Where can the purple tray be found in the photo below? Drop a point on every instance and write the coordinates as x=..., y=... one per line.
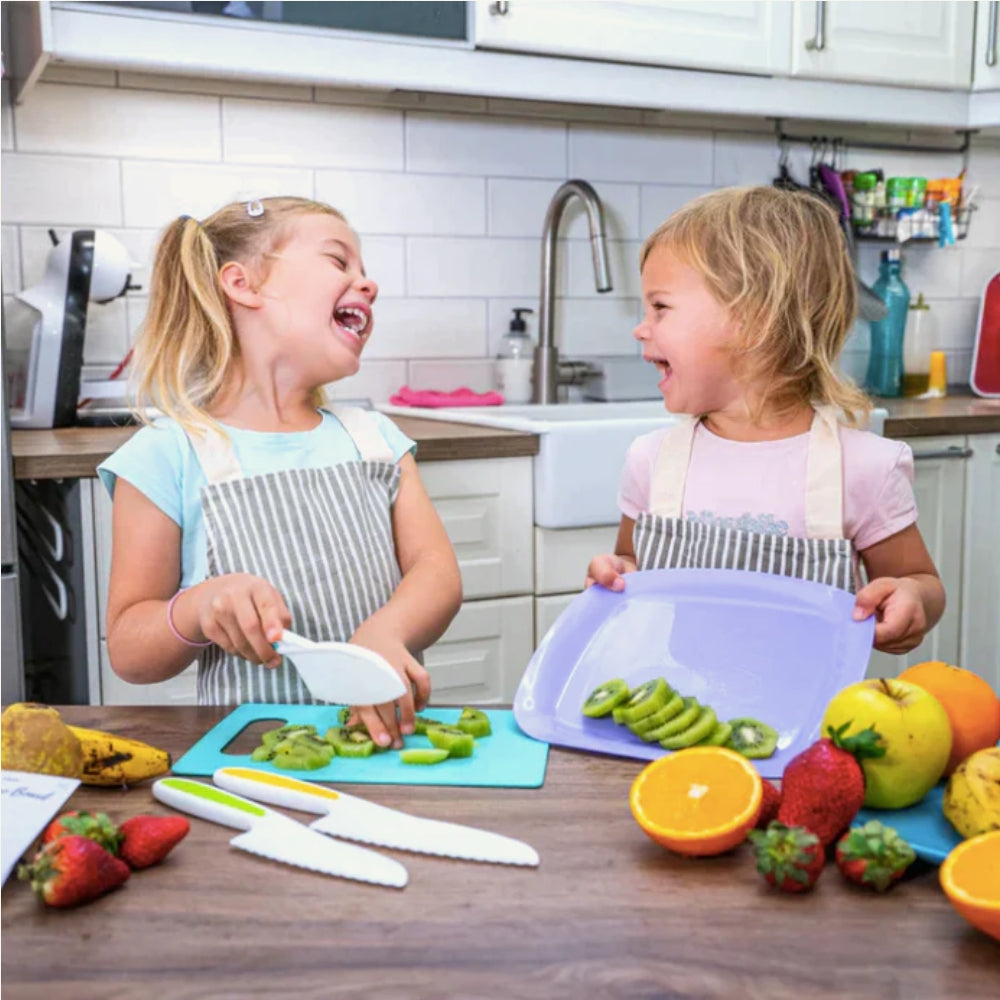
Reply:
x=746, y=643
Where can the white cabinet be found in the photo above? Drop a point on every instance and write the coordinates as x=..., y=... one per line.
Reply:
x=749, y=37
x=563, y=554
x=980, y=636
x=485, y=505
x=481, y=658
x=941, y=465
x=927, y=44
x=986, y=57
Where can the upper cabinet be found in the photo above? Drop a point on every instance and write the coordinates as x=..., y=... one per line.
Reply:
x=926, y=44
x=752, y=37
x=986, y=58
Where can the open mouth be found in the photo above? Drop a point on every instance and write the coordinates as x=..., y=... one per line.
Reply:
x=661, y=364
x=355, y=320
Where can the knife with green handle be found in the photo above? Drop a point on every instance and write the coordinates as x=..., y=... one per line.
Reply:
x=276, y=836
x=357, y=819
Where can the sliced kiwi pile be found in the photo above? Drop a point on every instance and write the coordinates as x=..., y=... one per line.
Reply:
x=299, y=747
x=656, y=713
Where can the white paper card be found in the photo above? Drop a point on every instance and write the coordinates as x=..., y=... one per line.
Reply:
x=27, y=803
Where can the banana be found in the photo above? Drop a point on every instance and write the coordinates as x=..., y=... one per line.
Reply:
x=109, y=759
x=972, y=796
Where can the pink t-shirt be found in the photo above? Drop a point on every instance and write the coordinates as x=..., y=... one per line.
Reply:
x=760, y=485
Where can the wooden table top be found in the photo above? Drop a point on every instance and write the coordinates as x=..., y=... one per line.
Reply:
x=607, y=914
x=75, y=452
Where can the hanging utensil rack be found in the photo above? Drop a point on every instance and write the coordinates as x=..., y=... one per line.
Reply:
x=892, y=224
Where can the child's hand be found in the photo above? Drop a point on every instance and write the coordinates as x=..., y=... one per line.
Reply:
x=241, y=613
x=608, y=570
x=383, y=725
x=900, y=616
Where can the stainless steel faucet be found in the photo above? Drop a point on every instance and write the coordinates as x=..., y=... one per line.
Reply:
x=549, y=372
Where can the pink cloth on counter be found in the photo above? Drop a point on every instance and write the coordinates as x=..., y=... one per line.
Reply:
x=431, y=399
x=760, y=485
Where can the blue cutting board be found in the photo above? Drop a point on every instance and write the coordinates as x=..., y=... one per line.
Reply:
x=922, y=826
x=506, y=759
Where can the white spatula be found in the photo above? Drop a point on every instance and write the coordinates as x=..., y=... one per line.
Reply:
x=341, y=672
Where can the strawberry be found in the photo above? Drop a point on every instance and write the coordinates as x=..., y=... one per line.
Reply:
x=873, y=855
x=73, y=869
x=823, y=787
x=97, y=826
x=789, y=858
x=147, y=840
x=768, y=805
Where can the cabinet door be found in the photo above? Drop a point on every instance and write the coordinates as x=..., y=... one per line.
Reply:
x=547, y=610
x=940, y=467
x=563, y=554
x=481, y=658
x=980, y=646
x=920, y=44
x=485, y=505
x=986, y=58
x=749, y=37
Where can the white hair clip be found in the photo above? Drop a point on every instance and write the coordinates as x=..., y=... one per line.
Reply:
x=255, y=208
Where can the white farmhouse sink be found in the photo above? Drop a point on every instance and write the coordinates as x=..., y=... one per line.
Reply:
x=581, y=452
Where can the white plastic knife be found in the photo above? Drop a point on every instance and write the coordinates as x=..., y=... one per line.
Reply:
x=276, y=836
x=342, y=672
x=357, y=819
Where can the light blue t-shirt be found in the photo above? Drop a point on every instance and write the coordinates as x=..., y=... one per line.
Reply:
x=159, y=462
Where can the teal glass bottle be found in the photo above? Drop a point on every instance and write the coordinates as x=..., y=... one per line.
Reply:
x=885, y=362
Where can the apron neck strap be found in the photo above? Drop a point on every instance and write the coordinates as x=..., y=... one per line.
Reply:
x=215, y=454
x=824, y=500
x=361, y=425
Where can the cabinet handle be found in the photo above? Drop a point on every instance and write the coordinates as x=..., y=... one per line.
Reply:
x=951, y=452
x=991, y=33
x=501, y=8
x=818, y=42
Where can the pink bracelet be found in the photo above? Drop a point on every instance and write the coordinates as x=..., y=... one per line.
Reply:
x=173, y=627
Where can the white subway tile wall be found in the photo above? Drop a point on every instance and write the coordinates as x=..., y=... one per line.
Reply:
x=448, y=194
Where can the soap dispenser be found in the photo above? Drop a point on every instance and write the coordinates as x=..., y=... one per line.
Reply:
x=514, y=361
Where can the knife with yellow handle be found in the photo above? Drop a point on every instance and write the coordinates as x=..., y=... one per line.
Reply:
x=357, y=819
x=276, y=836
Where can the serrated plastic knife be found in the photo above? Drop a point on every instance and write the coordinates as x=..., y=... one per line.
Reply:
x=276, y=836
x=357, y=819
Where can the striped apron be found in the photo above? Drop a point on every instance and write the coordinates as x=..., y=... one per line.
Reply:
x=322, y=537
x=663, y=539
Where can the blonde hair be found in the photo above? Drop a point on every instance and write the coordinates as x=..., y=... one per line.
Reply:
x=187, y=345
x=778, y=262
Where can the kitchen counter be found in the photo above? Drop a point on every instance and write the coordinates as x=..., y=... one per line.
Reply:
x=607, y=914
x=75, y=452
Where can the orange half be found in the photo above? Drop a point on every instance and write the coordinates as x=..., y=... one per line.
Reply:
x=970, y=876
x=699, y=801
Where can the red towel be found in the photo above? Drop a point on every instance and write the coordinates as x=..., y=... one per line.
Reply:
x=430, y=399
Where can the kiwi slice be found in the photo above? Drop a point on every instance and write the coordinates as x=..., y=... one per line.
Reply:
x=420, y=724
x=617, y=713
x=262, y=753
x=695, y=733
x=352, y=741
x=718, y=736
x=646, y=699
x=677, y=724
x=300, y=755
x=674, y=706
x=605, y=697
x=752, y=738
x=423, y=755
x=274, y=736
x=475, y=722
x=451, y=739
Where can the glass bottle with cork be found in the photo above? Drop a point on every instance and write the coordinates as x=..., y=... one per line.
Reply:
x=885, y=361
x=918, y=343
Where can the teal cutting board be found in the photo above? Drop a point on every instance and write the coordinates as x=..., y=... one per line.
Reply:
x=506, y=759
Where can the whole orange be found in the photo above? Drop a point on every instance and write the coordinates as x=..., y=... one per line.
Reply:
x=972, y=705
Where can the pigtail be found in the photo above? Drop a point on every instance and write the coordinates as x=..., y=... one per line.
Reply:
x=186, y=344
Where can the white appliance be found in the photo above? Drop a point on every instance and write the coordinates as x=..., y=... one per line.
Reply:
x=88, y=266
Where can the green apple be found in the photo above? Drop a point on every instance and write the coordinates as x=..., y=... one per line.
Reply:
x=914, y=729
